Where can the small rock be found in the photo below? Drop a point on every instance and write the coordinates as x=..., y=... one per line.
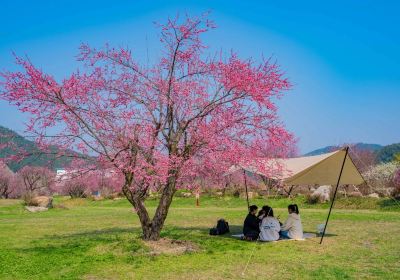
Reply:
x=373, y=195
x=251, y=195
x=186, y=194
x=42, y=201
x=323, y=192
x=35, y=209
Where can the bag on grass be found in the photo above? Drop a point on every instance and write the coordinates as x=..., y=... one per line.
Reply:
x=214, y=231
x=222, y=228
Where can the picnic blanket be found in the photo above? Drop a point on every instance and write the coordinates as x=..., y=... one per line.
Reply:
x=306, y=235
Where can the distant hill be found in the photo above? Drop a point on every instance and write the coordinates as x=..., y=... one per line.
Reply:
x=36, y=159
x=388, y=152
x=361, y=146
x=383, y=153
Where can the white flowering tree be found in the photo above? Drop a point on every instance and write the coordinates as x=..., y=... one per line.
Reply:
x=380, y=177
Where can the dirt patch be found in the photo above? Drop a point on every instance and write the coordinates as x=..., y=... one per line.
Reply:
x=170, y=247
x=8, y=202
x=61, y=206
x=72, y=202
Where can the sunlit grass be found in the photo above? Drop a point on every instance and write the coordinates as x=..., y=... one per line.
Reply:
x=100, y=240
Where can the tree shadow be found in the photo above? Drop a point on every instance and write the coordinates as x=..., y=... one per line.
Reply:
x=79, y=243
x=97, y=233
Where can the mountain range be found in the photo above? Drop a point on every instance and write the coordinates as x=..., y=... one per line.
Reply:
x=359, y=146
x=36, y=157
x=383, y=153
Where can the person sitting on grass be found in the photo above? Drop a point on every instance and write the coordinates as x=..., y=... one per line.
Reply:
x=251, y=228
x=269, y=227
x=292, y=227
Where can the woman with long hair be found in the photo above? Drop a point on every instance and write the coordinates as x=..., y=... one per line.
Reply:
x=292, y=227
x=269, y=227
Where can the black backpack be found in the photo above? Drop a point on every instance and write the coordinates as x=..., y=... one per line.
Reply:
x=222, y=228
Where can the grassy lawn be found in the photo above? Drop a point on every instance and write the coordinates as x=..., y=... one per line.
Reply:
x=100, y=240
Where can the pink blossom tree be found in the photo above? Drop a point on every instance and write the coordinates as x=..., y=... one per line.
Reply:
x=76, y=187
x=74, y=184
x=81, y=183
x=238, y=179
x=36, y=180
x=7, y=181
x=109, y=182
x=159, y=126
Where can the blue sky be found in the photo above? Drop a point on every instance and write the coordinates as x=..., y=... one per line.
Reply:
x=342, y=57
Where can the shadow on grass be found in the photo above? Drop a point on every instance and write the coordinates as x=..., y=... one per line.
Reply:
x=96, y=234
x=128, y=240
x=79, y=243
x=173, y=232
x=182, y=232
x=389, y=204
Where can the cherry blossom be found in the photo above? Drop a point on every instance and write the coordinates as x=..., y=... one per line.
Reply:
x=161, y=126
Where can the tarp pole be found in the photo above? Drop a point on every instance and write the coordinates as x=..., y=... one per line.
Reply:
x=247, y=193
x=334, y=194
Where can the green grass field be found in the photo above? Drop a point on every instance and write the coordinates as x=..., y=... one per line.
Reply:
x=100, y=240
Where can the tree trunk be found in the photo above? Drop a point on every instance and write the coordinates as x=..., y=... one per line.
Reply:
x=162, y=210
x=289, y=192
x=151, y=228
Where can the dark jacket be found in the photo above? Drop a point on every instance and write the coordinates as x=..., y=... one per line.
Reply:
x=251, y=224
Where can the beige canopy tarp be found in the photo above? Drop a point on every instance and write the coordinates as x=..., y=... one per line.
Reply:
x=336, y=168
x=320, y=170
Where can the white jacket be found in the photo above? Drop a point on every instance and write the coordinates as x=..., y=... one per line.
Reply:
x=293, y=226
x=269, y=229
